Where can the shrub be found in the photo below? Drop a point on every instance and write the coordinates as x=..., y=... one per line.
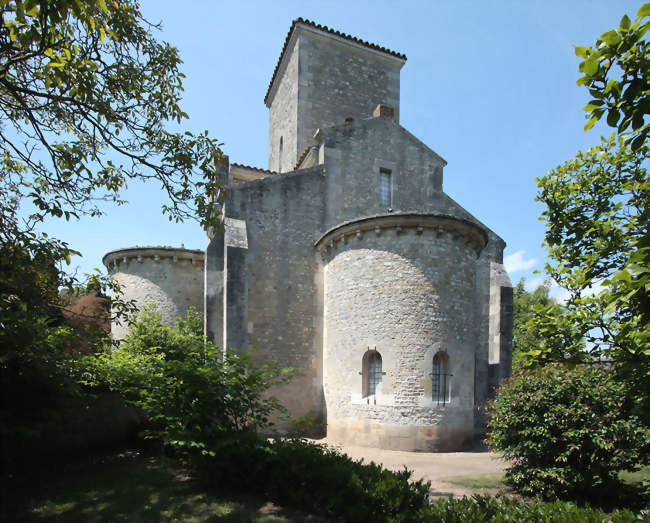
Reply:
x=317, y=478
x=500, y=508
x=322, y=480
x=566, y=432
x=195, y=395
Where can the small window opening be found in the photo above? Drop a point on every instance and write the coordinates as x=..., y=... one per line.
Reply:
x=440, y=379
x=384, y=187
x=280, y=156
x=372, y=375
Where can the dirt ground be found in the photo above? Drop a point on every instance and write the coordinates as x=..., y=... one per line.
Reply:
x=433, y=467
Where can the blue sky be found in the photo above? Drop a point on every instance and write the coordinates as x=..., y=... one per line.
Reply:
x=488, y=85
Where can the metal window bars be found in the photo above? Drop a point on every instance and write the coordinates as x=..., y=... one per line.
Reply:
x=440, y=381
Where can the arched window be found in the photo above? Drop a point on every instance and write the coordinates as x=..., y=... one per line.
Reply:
x=372, y=374
x=280, y=156
x=440, y=379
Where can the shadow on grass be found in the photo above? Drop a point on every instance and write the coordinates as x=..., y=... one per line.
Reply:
x=628, y=493
x=130, y=487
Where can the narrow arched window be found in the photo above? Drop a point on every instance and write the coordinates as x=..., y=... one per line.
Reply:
x=440, y=379
x=372, y=374
x=280, y=156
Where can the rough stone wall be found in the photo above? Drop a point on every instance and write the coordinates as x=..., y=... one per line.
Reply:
x=494, y=347
x=169, y=279
x=339, y=80
x=354, y=155
x=283, y=116
x=408, y=294
x=283, y=216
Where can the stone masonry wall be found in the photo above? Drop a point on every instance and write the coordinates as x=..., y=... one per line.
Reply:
x=283, y=114
x=408, y=294
x=284, y=215
x=338, y=80
x=169, y=279
x=354, y=155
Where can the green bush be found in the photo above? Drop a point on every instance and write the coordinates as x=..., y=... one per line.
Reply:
x=195, y=395
x=566, y=432
x=322, y=480
x=316, y=478
x=500, y=508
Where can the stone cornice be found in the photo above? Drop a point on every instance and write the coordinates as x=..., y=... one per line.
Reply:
x=399, y=223
x=113, y=258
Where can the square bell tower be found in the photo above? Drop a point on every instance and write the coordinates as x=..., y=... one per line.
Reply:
x=322, y=78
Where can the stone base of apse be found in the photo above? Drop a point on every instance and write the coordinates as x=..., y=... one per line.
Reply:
x=455, y=436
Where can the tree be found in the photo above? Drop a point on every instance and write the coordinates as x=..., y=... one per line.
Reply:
x=597, y=221
x=85, y=94
x=616, y=74
x=597, y=234
x=86, y=98
x=525, y=337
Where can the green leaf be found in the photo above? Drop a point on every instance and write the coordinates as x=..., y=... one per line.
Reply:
x=582, y=52
x=612, y=117
x=625, y=22
x=590, y=66
x=612, y=85
x=593, y=104
x=638, y=142
x=643, y=11
x=611, y=38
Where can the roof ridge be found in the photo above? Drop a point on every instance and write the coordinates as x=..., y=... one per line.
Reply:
x=325, y=29
x=253, y=168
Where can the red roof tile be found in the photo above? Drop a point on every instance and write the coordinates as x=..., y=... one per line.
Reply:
x=253, y=168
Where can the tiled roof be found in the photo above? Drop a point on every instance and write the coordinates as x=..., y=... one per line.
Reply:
x=325, y=29
x=303, y=156
x=252, y=168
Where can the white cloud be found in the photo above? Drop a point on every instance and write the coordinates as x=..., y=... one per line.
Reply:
x=533, y=283
x=515, y=262
x=561, y=295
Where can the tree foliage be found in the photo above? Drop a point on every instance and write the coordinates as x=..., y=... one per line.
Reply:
x=615, y=70
x=597, y=218
x=525, y=336
x=33, y=343
x=86, y=92
x=87, y=100
x=597, y=239
x=567, y=432
x=196, y=396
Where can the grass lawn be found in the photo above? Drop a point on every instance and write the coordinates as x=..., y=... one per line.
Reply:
x=497, y=480
x=134, y=488
x=635, y=477
x=478, y=481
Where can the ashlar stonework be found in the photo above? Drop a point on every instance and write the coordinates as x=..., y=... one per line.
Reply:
x=347, y=260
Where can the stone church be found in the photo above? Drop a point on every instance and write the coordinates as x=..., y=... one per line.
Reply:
x=346, y=259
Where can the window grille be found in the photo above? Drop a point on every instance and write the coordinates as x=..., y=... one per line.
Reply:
x=384, y=187
x=374, y=373
x=440, y=380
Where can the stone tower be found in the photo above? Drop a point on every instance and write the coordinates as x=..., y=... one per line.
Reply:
x=322, y=78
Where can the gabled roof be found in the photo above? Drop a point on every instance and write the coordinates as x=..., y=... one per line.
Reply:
x=325, y=29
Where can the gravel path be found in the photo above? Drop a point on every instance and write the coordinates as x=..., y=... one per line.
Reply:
x=434, y=467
